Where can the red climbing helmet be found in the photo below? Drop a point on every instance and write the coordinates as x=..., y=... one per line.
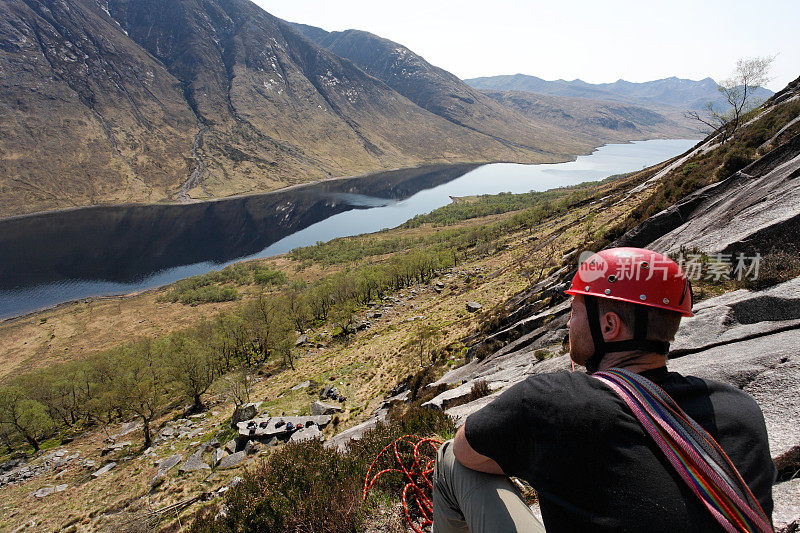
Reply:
x=634, y=275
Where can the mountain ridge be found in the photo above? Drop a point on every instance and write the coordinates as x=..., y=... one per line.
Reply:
x=671, y=91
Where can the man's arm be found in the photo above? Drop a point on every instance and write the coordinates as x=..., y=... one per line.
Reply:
x=472, y=459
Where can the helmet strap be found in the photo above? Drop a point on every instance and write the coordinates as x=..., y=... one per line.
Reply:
x=638, y=342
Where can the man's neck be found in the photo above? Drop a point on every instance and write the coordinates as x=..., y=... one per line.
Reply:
x=633, y=361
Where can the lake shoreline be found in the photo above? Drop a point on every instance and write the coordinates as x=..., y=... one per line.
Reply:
x=332, y=179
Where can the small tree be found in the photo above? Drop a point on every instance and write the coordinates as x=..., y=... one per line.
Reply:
x=296, y=308
x=270, y=330
x=237, y=385
x=192, y=366
x=424, y=337
x=343, y=316
x=28, y=417
x=140, y=384
x=738, y=93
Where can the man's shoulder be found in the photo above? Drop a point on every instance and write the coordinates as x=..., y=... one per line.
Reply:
x=566, y=390
x=715, y=389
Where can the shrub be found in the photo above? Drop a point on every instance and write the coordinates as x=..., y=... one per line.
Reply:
x=736, y=160
x=267, y=276
x=479, y=389
x=775, y=267
x=207, y=294
x=300, y=487
x=307, y=487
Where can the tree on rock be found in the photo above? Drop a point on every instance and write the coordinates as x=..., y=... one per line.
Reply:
x=739, y=94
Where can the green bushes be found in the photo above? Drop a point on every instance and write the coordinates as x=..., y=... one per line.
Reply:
x=307, y=487
x=210, y=287
x=202, y=295
x=267, y=276
x=735, y=161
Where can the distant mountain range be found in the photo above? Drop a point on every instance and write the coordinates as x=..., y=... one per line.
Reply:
x=674, y=92
x=114, y=101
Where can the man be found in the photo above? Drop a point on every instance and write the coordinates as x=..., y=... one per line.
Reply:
x=575, y=440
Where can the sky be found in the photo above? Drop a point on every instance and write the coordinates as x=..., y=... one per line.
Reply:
x=596, y=41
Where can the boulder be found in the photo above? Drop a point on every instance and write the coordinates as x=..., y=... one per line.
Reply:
x=216, y=456
x=329, y=392
x=302, y=339
x=320, y=408
x=449, y=397
x=107, y=468
x=230, y=446
x=251, y=447
x=194, y=463
x=244, y=412
x=163, y=468
x=229, y=461
x=473, y=307
x=340, y=440
x=304, y=385
x=45, y=491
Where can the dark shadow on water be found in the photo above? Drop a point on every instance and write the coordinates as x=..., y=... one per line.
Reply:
x=129, y=243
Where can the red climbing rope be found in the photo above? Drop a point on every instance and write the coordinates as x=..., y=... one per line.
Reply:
x=417, y=476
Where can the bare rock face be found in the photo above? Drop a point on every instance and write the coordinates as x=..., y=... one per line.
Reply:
x=756, y=209
x=194, y=463
x=311, y=432
x=232, y=460
x=319, y=408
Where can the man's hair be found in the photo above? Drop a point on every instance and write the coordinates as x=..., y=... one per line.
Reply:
x=661, y=323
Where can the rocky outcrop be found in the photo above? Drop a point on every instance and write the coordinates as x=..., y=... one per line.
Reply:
x=232, y=460
x=756, y=209
x=321, y=408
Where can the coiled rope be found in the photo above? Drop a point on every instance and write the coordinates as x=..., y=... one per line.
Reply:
x=417, y=476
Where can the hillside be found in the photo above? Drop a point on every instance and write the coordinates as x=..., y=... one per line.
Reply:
x=146, y=101
x=486, y=298
x=671, y=92
x=441, y=92
x=590, y=117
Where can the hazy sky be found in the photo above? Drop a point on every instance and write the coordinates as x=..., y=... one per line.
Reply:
x=596, y=41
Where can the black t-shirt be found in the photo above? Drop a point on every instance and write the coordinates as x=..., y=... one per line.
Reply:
x=594, y=466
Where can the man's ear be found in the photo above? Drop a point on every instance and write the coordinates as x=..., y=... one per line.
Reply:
x=611, y=326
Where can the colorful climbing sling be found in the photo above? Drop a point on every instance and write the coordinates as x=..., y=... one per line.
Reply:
x=694, y=454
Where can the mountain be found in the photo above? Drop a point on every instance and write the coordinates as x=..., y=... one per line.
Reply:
x=118, y=101
x=430, y=87
x=586, y=116
x=674, y=92
x=441, y=92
